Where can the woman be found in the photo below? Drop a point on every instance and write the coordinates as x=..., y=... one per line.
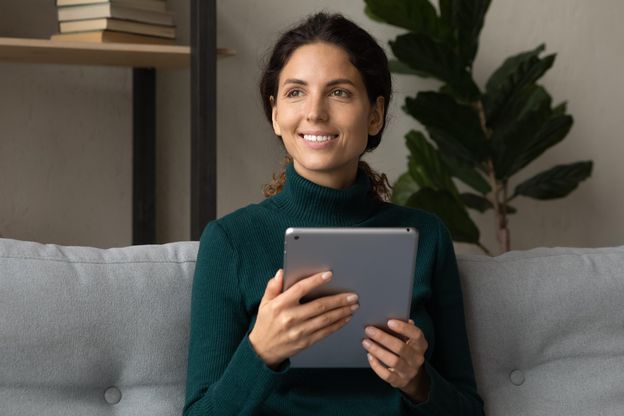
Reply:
x=326, y=90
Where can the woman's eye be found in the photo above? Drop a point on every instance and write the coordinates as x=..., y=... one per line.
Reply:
x=340, y=93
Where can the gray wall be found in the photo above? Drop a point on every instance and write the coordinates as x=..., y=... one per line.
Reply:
x=66, y=131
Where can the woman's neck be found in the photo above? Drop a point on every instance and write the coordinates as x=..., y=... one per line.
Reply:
x=339, y=178
x=321, y=206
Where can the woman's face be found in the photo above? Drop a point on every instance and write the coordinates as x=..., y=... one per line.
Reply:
x=323, y=114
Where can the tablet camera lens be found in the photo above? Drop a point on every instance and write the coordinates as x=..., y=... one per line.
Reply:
x=296, y=237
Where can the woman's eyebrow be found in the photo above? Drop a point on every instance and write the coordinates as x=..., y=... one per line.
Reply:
x=329, y=84
x=340, y=81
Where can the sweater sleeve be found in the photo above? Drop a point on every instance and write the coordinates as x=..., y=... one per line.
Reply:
x=453, y=390
x=225, y=376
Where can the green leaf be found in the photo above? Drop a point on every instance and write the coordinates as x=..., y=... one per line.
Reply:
x=398, y=67
x=556, y=182
x=467, y=174
x=481, y=204
x=403, y=188
x=445, y=206
x=516, y=151
x=455, y=128
x=425, y=165
x=448, y=12
x=368, y=12
x=532, y=101
x=516, y=73
x=468, y=19
x=528, y=112
x=438, y=60
x=560, y=109
x=477, y=202
x=418, y=16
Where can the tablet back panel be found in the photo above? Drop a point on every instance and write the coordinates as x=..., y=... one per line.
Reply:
x=376, y=263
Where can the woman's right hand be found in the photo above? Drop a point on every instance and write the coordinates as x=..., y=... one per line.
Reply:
x=284, y=326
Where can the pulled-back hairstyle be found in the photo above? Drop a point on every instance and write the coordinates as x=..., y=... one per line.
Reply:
x=364, y=53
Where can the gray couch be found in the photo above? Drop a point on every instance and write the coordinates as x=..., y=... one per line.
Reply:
x=85, y=331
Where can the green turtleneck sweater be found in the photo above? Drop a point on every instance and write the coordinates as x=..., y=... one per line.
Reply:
x=240, y=252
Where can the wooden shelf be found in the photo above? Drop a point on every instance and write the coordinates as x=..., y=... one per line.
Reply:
x=86, y=53
x=145, y=60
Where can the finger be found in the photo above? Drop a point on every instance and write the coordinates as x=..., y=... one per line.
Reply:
x=327, y=319
x=380, y=370
x=273, y=287
x=327, y=303
x=388, y=341
x=328, y=330
x=306, y=285
x=386, y=357
x=414, y=335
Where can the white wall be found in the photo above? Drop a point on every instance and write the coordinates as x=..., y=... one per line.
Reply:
x=585, y=36
x=66, y=143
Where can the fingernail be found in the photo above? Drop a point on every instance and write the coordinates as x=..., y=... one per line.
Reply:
x=352, y=298
x=393, y=324
x=326, y=275
x=355, y=307
x=370, y=357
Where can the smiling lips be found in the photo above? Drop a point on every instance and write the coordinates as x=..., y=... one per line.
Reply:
x=318, y=138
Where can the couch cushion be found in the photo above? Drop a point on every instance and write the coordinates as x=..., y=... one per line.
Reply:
x=546, y=329
x=86, y=331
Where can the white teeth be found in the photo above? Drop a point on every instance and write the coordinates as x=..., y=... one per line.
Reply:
x=312, y=138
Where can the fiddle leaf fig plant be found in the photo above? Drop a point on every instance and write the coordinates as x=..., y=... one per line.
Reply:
x=480, y=137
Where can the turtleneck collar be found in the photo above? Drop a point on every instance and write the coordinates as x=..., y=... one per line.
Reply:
x=323, y=206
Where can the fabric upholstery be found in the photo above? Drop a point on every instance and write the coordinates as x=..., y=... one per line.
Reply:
x=547, y=330
x=87, y=331
x=80, y=325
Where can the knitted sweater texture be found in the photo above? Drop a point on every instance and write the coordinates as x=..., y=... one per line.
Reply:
x=240, y=252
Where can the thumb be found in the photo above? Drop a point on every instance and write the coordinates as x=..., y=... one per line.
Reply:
x=274, y=286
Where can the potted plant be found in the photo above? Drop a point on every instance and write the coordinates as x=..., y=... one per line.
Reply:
x=481, y=137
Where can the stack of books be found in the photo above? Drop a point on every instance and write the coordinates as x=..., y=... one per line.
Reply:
x=127, y=21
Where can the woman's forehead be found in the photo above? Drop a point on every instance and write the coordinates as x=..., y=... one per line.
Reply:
x=319, y=62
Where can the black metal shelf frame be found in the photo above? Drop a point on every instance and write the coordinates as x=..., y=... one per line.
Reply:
x=203, y=132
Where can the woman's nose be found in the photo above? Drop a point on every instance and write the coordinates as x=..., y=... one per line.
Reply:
x=316, y=110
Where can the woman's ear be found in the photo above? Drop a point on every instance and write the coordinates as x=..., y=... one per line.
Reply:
x=276, y=127
x=376, y=117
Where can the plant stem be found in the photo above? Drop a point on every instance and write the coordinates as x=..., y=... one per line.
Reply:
x=478, y=106
x=500, y=208
x=484, y=248
x=500, y=221
x=505, y=237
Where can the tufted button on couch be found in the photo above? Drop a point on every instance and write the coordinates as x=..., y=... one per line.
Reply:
x=86, y=331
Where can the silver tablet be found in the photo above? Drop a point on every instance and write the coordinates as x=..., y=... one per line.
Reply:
x=376, y=263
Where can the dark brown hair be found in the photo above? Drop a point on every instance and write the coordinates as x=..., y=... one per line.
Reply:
x=364, y=53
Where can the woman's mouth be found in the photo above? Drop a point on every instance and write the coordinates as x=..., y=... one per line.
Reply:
x=318, y=138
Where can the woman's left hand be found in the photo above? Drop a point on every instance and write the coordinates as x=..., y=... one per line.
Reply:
x=398, y=362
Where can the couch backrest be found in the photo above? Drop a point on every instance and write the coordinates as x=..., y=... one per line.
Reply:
x=91, y=332
x=86, y=331
x=546, y=328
